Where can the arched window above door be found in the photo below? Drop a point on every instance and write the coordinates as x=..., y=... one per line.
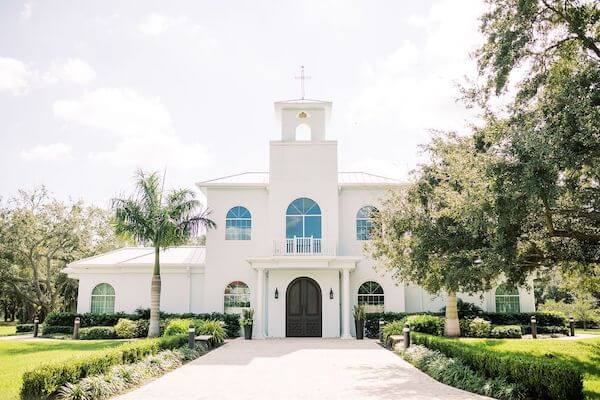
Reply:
x=303, y=219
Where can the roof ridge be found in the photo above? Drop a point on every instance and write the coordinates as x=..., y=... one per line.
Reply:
x=232, y=175
x=103, y=254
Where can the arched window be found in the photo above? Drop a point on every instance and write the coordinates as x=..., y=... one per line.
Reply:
x=303, y=219
x=238, y=224
x=370, y=294
x=237, y=298
x=303, y=132
x=507, y=299
x=103, y=299
x=364, y=222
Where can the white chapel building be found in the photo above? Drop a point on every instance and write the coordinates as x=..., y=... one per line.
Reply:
x=288, y=244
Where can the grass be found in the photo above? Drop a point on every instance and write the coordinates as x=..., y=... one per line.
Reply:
x=588, y=331
x=8, y=328
x=18, y=356
x=583, y=354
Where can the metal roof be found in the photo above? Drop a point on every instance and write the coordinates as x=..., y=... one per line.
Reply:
x=142, y=256
x=262, y=179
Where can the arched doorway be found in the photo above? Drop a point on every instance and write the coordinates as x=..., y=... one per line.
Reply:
x=303, y=308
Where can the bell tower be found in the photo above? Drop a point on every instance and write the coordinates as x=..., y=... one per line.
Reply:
x=303, y=120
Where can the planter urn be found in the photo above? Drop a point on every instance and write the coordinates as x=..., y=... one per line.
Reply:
x=360, y=328
x=248, y=332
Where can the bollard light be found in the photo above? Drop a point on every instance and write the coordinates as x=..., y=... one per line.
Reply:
x=406, y=332
x=572, y=325
x=76, y=325
x=36, y=326
x=191, y=337
x=381, y=323
x=533, y=327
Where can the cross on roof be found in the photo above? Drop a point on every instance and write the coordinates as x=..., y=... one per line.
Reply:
x=302, y=77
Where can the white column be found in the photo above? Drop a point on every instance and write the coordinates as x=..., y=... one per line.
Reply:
x=259, y=309
x=346, y=304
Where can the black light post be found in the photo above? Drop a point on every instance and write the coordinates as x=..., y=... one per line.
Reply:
x=533, y=327
x=36, y=326
x=381, y=323
x=191, y=337
x=572, y=325
x=76, y=328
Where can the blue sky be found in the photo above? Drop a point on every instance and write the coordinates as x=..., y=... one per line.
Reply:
x=90, y=91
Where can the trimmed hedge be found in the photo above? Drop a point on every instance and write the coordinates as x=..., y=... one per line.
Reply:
x=43, y=382
x=97, y=332
x=52, y=330
x=562, y=330
x=24, y=328
x=543, y=378
x=232, y=321
x=506, y=331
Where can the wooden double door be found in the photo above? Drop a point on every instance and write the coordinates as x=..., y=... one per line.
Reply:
x=303, y=309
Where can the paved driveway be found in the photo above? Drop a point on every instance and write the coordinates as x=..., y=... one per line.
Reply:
x=303, y=369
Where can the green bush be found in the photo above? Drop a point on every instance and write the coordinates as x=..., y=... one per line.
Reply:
x=177, y=327
x=141, y=328
x=392, y=328
x=455, y=373
x=477, y=327
x=53, y=330
x=232, y=321
x=97, y=332
x=425, y=323
x=372, y=321
x=542, y=378
x=561, y=330
x=42, y=383
x=126, y=329
x=211, y=327
x=506, y=331
x=23, y=328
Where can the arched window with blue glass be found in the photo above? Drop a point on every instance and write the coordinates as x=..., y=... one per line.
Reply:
x=364, y=222
x=303, y=226
x=238, y=224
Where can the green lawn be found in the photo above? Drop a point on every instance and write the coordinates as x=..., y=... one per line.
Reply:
x=588, y=331
x=584, y=354
x=18, y=356
x=7, y=328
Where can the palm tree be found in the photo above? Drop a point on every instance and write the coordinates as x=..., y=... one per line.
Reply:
x=163, y=219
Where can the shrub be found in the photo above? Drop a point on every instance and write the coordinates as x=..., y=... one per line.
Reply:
x=97, y=332
x=43, y=382
x=211, y=327
x=543, y=319
x=177, y=327
x=506, y=331
x=561, y=330
x=24, y=328
x=464, y=308
x=392, y=328
x=425, y=323
x=232, y=321
x=126, y=329
x=372, y=321
x=52, y=330
x=455, y=373
x=479, y=327
x=543, y=378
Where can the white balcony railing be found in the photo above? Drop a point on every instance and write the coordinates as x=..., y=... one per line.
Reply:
x=302, y=246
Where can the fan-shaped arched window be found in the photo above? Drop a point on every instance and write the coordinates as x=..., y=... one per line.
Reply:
x=370, y=295
x=364, y=222
x=237, y=297
x=238, y=224
x=303, y=219
x=103, y=299
x=507, y=299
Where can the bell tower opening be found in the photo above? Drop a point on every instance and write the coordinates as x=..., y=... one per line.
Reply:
x=303, y=133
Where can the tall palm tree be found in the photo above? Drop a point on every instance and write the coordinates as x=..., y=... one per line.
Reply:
x=163, y=219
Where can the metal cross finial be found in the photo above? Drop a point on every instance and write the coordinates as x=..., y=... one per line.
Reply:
x=302, y=78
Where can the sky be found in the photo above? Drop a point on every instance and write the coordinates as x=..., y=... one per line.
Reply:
x=91, y=91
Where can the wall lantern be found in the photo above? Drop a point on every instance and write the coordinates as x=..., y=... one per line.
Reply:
x=331, y=294
x=276, y=293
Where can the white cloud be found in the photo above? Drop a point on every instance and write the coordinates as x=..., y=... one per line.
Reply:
x=415, y=88
x=14, y=75
x=50, y=152
x=121, y=111
x=73, y=70
x=27, y=11
x=142, y=126
x=155, y=24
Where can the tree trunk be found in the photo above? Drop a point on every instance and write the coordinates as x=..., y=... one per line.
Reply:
x=452, y=326
x=154, y=328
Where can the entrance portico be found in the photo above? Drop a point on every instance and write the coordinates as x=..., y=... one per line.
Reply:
x=331, y=277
